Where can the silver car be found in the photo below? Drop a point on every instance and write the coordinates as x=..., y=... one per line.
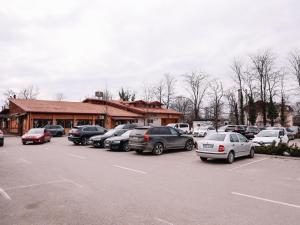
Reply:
x=224, y=145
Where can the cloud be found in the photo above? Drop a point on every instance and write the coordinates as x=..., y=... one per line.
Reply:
x=77, y=47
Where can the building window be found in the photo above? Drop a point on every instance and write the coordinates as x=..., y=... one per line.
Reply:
x=38, y=123
x=99, y=122
x=149, y=121
x=84, y=122
x=65, y=123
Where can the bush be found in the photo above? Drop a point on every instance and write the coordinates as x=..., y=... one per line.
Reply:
x=280, y=149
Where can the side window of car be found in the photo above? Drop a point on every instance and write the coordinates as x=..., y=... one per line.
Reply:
x=154, y=131
x=173, y=131
x=233, y=138
x=242, y=138
x=281, y=133
x=165, y=131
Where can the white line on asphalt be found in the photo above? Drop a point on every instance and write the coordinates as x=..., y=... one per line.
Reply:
x=72, y=182
x=25, y=161
x=77, y=156
x=34, y=185
x=164, y=221
x=133, y=170
x=267, y=200
x=246, y=164
x=4, y=194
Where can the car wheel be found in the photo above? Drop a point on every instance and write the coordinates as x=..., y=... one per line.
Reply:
x=24, y=142
x=139, y=151
x=230, y=157
x=252, y=152
x=126, y=147
x=203, y=159
x=158, y=149
x=84, y=141
x=189, y=145
x=76, y=143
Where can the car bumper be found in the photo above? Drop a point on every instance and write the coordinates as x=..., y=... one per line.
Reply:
x=113, y=146
x=74, y=139
x=213, y=155
x=1, y=140
x=97, y=143
x=146, y=147
x=30, y=140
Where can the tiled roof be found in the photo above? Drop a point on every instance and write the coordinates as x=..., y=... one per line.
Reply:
x=45, y=106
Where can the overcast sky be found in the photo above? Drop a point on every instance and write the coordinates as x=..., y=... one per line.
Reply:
x=77, y=47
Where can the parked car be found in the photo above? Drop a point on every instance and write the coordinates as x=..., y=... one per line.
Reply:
x=1, y=138
x=251, y=131
x=81, y=134
x=36, y=135
x=235, y=128
x=284, y=131
x=55, y=130
x=159, y=139
x=185, y=127
x=290, y=133
x=129, y=126
x=267, y=137
x=295, y=130
x=118, y=142
x=224, y=145
x=203, y=131
x=98, y=141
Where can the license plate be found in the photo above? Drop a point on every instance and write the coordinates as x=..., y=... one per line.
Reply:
x=29, y=142
x=208, y=145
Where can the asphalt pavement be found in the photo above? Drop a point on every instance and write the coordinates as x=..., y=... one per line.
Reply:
x=58, y=184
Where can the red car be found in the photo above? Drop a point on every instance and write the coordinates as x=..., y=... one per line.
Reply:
x=36, y=135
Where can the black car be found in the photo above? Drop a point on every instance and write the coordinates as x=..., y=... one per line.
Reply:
x=55, y=130
x=159, y=139
x=118, y=142
x=251, y=132
x=98, y=141
x=1, y=138
x=81, y=134
x=235, y=128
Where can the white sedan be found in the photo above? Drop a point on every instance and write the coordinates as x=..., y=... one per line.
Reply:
x=224, y=145
x=267, y=137
x=202, y=131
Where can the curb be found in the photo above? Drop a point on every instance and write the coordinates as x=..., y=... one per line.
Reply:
x=280, y=156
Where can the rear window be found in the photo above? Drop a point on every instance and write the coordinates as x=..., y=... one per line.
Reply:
x=139, y=131
x=216, y=137
x=159, y=130
x=183, y=125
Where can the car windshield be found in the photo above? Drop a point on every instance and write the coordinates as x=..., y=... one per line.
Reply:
x=121, y=126
x=36, y=131
x=126, y=134
x=110, y=132
x=268, y=133
x=216, y=137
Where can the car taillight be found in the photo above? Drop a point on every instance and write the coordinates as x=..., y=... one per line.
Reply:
x=146, y=138
x=221, y=148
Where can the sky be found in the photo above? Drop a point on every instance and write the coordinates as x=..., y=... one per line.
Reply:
x=78, y=47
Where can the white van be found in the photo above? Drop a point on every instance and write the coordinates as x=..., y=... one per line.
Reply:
x=185, y=127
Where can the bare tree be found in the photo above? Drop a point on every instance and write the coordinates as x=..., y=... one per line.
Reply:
x=9, y=93
x=170, y=82
x=184, y=105
x=262, y=67
x=159, y=91
x=216, y=103
x=238, y=77
x=233, y=106
x=294, y=60
x=59, y=96
x=148, y=92
x=196, y=84
x=31, y=92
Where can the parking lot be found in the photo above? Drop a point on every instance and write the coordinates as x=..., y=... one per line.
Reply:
x=59, y=183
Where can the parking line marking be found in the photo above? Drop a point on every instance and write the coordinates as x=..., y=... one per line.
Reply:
x=71, y=181
x=133, y=170
x=34, y=185
x=266, y=200
x=4, y=194
x=25, y=161
x=246, y=164
x=163, y=221
x=77, y=156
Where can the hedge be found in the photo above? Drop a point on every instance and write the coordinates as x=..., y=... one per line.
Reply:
x=280, y=149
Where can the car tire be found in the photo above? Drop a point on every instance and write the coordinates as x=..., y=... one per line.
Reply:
x=189, y=145
x=139, y=151
x=1, y=144
x=76, y=143
x=230, y=157
x=24, y=142
x=158, y=148
x=125, y=147
x=84, y=141
x=252, y=153
x=204, y=159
